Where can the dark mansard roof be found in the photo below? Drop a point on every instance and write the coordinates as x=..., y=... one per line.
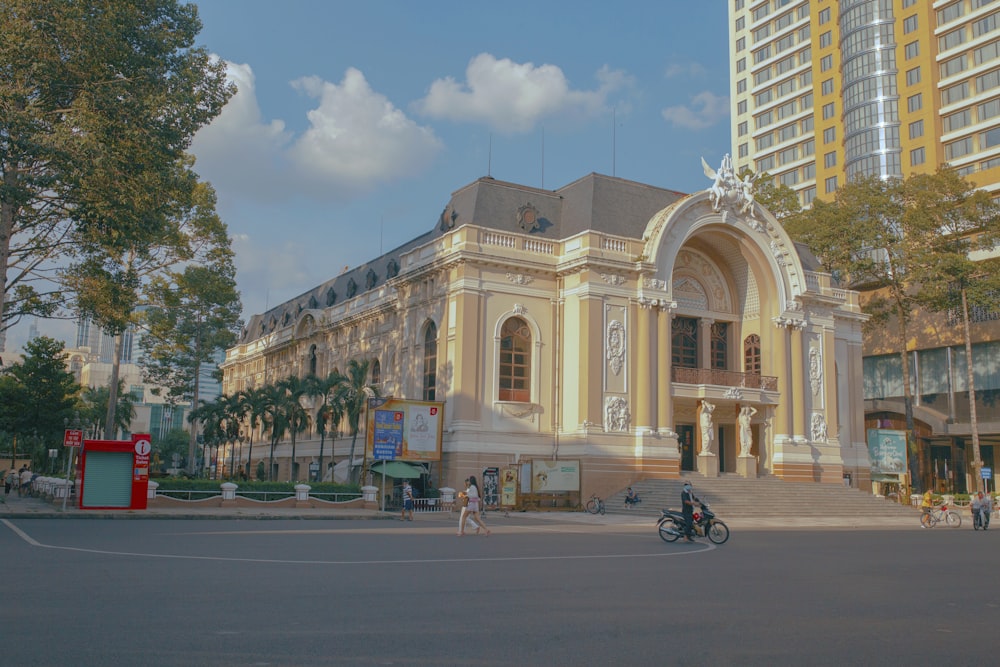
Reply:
x=594, y=202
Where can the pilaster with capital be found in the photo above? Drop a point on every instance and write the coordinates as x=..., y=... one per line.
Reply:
x=644, y=392
x=664, y=403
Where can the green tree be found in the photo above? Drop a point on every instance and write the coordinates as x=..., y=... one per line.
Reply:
x=100, y=100
x=778, y=198
x=93, y=410
x=173, y=442
x=193, y=315
x=211, y=416
x=254, y=401
x=274, y=421
x=296, y=417
x=331, y=409
x=41, y=391
x=957, y=223
x=354, y=397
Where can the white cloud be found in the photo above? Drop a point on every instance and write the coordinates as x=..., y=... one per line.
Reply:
x=357, y=138
x=705, y=110
x=512, y=97
x=692, y=70
x=237, y=150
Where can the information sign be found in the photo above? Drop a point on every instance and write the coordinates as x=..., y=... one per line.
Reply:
x=72, y=438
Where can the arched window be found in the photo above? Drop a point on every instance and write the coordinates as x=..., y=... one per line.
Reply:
x=430, y=361
x=312, y=360
x=515, y=361
x=751, y=354
x=376, y=373
x=684, y=344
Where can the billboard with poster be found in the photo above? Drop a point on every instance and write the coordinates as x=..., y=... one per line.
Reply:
x=405, y=430
x=887, y=451
x=552, y=476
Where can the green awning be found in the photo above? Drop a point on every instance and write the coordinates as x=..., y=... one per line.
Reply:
x=398, y=469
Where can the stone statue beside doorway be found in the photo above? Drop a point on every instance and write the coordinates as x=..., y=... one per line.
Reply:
x=707, y=429
x=746, y=433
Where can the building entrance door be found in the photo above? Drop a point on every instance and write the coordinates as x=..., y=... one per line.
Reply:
x=685, y=436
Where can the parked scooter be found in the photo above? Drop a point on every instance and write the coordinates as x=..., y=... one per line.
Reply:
x=670, y=526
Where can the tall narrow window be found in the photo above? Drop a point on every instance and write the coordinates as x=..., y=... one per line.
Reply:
x=751, y=354
x=376, y=373
x=515, y=361
x=684, y=343
x=720, y=340
x=430, y=361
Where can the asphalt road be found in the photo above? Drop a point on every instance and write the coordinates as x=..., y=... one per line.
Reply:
x=536, y=592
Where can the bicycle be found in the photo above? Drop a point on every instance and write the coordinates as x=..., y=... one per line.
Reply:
x=933, y=515
x=595, y=505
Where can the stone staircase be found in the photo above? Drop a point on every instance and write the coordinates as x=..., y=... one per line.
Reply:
x=734, y=497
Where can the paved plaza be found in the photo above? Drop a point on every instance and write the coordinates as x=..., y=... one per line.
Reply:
x=543, y=589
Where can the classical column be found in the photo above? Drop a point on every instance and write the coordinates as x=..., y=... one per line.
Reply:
x=644, y=393
x=782, y=369
x=664, y=402
x=705, y=342
x=798, y=369
x=829, y=384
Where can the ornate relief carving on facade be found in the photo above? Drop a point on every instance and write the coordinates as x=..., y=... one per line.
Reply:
x=613, y=278
x=777, y=252
x=521, y=410
x=734, y=393
x=616, y=414
x=616, y=346
x=697, y=268
x=528, y=218
x=818, y=427
x=519, y=309
x=519, y=278
x=815, y=369
x=654, y=283
x=728, y=192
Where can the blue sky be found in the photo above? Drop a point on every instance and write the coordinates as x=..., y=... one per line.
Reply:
x=355, y=121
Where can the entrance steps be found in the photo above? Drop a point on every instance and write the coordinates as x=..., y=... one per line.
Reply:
x=734, y=496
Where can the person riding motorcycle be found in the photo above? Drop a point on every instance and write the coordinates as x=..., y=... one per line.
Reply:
x=688, y=500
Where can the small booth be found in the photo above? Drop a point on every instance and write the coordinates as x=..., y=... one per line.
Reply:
x=114, y=474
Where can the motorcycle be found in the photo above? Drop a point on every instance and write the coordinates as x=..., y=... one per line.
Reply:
x=670, y=526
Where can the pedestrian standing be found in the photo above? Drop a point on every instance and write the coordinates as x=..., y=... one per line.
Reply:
x=407, y=501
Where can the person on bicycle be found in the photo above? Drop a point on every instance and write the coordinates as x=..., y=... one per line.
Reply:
x=688, y=500
x=928, y=502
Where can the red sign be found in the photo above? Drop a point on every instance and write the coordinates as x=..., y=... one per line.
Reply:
x=72, y=438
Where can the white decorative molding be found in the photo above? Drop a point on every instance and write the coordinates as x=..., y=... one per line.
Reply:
x=519, y=278
x=818, y=427
x=519, y=309
x=616, y=346
x=734, y=393
x=521, y=410
x=654, y=283
x=613, y=278
x=616, y=414
x=815, y=369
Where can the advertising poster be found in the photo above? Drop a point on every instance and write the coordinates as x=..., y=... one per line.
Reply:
x=887, y=451
x=552, y=476
x=405, y=430
x=508, y=487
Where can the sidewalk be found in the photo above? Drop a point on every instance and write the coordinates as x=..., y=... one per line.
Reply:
x=16, y=507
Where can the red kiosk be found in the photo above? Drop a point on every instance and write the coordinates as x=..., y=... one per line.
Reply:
x=114, y=474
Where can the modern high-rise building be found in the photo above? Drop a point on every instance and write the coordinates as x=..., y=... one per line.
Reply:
x=824, y=90
x=827, y=90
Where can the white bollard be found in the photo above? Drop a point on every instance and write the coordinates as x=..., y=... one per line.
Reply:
x=151, y=488
x=228, y=491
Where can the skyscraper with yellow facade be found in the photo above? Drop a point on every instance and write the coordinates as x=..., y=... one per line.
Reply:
x=826, y=90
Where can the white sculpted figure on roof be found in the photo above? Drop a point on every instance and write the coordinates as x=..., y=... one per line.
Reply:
x=728, y=190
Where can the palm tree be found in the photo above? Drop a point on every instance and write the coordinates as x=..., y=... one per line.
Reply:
x=254, y=402
x=355, y=396
x=274, y=420
x=296, y=416
x=210, y=415
x=331, y=411
x=233, y=413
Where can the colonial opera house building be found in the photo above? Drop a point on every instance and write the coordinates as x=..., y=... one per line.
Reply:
x=635, y=331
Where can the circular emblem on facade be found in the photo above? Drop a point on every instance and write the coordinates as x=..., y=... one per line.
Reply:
x=527, y=218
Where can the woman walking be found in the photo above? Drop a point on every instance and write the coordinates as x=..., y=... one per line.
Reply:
x=472, y=509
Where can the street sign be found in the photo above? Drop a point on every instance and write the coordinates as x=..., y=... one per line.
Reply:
x=986, y=473
x=73, y=438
